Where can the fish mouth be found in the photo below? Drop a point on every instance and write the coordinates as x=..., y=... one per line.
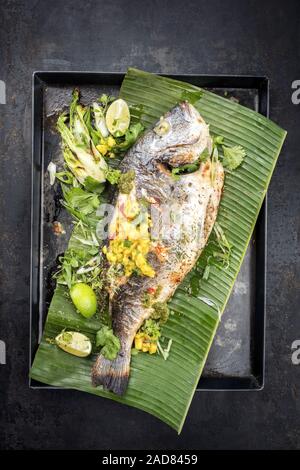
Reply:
x=190, y=112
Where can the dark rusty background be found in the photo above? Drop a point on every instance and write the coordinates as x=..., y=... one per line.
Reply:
x=232, y=37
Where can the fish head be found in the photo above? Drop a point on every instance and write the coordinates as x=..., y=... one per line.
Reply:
x=180, y=136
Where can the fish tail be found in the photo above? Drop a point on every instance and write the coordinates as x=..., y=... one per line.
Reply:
x=113, y=375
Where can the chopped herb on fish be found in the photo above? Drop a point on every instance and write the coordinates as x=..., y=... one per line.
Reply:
x=160, y=312
x=189, y=168
x=126, y=182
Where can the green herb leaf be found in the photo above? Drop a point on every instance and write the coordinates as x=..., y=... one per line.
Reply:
x=218, y=140
x=131, y=135
x=188, y=168
x=204, y=155
x=112, y=175
x=206, y=272
x=66, y=177
x=80, y=200
x=93, y=185
x=105, y=99
x=109, y=343
x=151, y=328
x=233, y=156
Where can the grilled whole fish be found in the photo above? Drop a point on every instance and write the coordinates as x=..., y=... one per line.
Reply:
x=177, y=139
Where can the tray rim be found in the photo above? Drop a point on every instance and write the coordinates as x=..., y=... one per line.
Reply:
x=261, y=83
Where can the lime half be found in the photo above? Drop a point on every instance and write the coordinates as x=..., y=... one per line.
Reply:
x=118, y=118
x=84, y=299
x=74, y=343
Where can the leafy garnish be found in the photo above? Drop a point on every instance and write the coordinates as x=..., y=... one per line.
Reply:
x=151, y=328
x=204, y=155
x=80, y=200
x=131, y=135
x=109, y=343
x=105, y=100
x=218, y=140
x=221, y=253
x=160, y=312
x=67, y=177
x=224, y=245
x=80, y=265
x=191, y=167
x=233, y=156
x=188, y=168
x=126, y=181
x=214, y=161
x=94, y=186
x=113, y=175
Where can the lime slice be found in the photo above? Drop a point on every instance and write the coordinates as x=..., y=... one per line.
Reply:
x=118, y=118
x=74, y=343
x=84, y=299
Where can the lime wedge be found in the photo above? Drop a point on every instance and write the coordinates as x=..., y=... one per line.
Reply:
x=118, y=118
x=84, y=299
x=74, y=343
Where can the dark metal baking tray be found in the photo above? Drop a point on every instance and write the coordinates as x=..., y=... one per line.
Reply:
x=236, y=359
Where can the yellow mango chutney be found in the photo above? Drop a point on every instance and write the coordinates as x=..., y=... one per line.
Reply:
x=130, y=239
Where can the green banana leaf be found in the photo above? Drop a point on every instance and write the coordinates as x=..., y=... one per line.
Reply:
x=165, y=388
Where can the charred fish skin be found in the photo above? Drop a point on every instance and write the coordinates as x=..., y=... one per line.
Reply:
x=195, y=195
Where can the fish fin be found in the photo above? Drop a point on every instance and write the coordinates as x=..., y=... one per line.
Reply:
x=113, y=375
